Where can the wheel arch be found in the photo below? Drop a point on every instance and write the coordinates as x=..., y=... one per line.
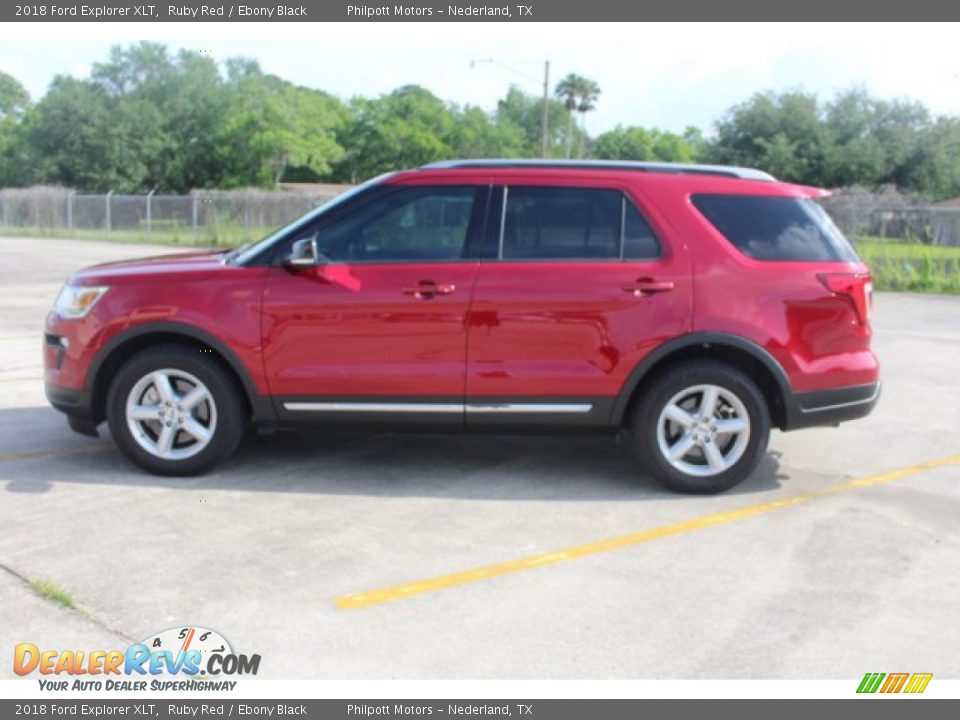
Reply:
x=735, y=350
x=131, y=341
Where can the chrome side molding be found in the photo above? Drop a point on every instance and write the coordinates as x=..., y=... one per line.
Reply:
x=469, y=408
x=374, y=407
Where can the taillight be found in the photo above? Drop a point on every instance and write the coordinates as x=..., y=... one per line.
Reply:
x=857, y=287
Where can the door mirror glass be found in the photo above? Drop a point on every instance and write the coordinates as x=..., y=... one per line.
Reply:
x=303, y=254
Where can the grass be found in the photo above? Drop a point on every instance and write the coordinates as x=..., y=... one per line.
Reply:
x=906, y=266
x=896, y=264
x=49, y=590
x=220, y=236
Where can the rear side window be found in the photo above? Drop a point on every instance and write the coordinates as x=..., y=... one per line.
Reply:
x=776, y=228
x=552, y=223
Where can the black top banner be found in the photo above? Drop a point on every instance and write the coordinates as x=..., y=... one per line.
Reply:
x=494, y=11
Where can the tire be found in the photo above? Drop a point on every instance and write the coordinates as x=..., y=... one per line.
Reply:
x=669, y=420
x=189, y=437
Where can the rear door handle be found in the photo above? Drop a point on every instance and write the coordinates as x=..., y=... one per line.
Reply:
x=426, y=289
x=647, y=286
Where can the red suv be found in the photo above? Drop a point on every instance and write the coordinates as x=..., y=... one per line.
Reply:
x=691, y=307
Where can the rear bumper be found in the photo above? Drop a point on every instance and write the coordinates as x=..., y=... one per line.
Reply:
x=831, y=407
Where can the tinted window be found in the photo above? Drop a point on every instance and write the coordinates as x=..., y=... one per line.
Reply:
x=639, y=242
x=776, y=228
x=561, y=223
x=411, y=224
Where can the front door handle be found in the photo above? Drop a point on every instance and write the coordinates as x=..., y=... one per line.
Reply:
x=647, y=286
x=426, y=289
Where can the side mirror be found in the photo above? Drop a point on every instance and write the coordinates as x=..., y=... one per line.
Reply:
x=303, y=254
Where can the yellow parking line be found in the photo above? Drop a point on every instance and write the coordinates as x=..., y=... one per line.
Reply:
x=60, y=452
x=396, y=592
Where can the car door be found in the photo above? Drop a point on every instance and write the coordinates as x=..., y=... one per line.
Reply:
x=377, y=332
x=580, y=288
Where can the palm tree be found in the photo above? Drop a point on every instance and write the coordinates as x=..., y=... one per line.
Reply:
x=578, y=94
x=567, y=91
x=587, y=101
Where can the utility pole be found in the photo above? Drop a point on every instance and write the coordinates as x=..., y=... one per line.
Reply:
x=109, y=195
x=545, y=112
x=149, y=214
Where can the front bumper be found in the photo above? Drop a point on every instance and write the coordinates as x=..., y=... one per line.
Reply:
x=77, y=405
x=831, y=407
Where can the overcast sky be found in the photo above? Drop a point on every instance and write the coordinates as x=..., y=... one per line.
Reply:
x=660, y=75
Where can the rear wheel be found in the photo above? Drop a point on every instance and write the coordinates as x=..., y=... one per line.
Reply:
x=174, y=412
x=701, y=427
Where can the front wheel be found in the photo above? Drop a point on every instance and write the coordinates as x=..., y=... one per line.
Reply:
x=174, y=412
x=701, y=427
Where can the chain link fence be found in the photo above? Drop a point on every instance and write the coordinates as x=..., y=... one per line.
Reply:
x=909, y=244
x=228, y=217
x=201, y=218
x=927, y=224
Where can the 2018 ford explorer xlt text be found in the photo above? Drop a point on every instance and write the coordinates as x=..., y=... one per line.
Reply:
x=692, y=307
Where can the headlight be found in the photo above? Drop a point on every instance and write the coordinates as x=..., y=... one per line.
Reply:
x=76, y=301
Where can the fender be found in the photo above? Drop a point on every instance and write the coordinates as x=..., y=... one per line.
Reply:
x=260, y=404
x=692, y=339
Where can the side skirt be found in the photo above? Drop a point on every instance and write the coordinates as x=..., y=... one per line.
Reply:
x=485, y=414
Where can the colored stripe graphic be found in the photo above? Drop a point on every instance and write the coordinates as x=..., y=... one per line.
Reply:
x=894, y=682
x=870, y=682
x=918, y=682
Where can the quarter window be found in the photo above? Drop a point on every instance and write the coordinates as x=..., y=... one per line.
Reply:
x=639, y=242
x=776, y=228
x=554, y=223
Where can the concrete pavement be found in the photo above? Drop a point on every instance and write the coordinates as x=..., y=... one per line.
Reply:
x=261, y=549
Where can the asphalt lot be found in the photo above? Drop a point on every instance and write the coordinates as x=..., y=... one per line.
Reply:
x=862, y=580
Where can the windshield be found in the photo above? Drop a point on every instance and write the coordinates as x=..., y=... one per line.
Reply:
x=249, y=250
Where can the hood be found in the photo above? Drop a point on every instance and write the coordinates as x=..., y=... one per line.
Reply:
x=159, y=267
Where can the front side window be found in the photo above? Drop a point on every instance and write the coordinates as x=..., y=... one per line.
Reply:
x=776, y=228
x=559, y=223
x=416, y=224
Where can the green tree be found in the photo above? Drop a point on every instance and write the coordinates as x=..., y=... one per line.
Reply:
x=406, y=128
x=79, y=136
x=14, y=99
x=783, y=134
x=274, y=127
x=636, y=143
x=185, y=102
x=855, y=154
x=14, y=102
x=477, y=135
x=524, y=111
x=853, y=139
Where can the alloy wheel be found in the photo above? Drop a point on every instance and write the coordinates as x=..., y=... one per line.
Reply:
x=703, y=430
x=171, y=414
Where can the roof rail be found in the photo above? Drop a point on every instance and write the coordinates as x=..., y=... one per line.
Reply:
x=657, y=167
